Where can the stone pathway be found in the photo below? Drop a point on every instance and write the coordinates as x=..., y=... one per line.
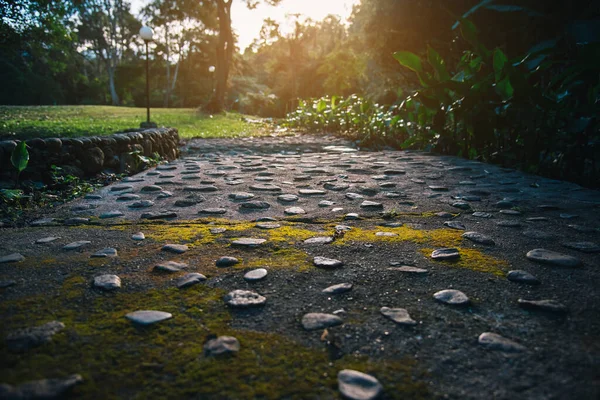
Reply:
x=387, y=273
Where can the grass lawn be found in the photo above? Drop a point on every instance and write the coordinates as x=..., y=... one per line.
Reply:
x=63, y=121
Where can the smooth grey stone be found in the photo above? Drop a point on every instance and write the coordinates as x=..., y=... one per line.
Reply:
x=319, y=240
x=548, y=207
x=107, y=252
x=255, y=205
x=336, y=187
x=201, y=188
x=266, y=219
x=111, y=214
x=165, y=194
x=244, y=298
x=444, y=214
x=418, y=181
x=368, y=190
x=84, y=207
x=213, y=211
x=478, y=238
x=455, y=225
x=166, y=167
x=190, y=279
x=223, y=345
x=189, y=202
x=386, y=234
x=41, y=389
x=92, y=197
x=462, y=205
x=268, y=225
x=394, y=172
x=76, y=221
x=509, y=224
x=148, y=317
x=342, y=228
x=324, y=262
x=216, y=231
x=510, y=212
x=392, y=224
x=505, y=204
x=393, y=195
x=493, y=341
x=355, y=385
x=240, y=196
x=549, y=257
x=568, y=216
x=398, y=315
x=467, y=183
x=537, y=219
x=387, y=185
x=436, y=188
x=255, y=274
x=175, y=248
x=159, y=215
x=409, y=269
x=128, y=197
x=151, y=188
x=26, y=338
x=169, y=266
x=42, y=222
x=14, y=257
x=265, y=188
x=354, y=196
x=585, y=247
x=339, y=288
x=451, y=296
x=311, y=192
x=522, y=277
x=287, y=198
x=294, y=211
x=153, y=173
x=235, y=182
x=5, y=284
x=138, y=236
x=76, y=245
x=107, y=282
x=119, y=188
x=302, y=178
x=372, y=205
x=351, y=216
x=248, y=242
x=226, y=261
x=313, y=321
x=480, y=214
x=445, y=254
x=544, y=305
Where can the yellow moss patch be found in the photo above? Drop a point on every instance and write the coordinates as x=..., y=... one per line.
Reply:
x=437, y=237
x=291, y=234
x=289, y=258
x=474, y=260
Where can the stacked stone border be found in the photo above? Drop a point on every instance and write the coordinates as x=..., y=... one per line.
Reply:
x=90, y=155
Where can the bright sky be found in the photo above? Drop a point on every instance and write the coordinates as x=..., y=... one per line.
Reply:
x=247, y=23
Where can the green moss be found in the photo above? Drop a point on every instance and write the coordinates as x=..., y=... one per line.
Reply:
x=474, y=260
x=289, y=258
x=437, y=237
x=119, y=360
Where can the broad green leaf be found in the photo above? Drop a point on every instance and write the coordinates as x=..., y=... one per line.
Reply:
x=321, y=106
x=438, y=64
x=499, y=61
x=469, y=32
x=504, y=88
x=409, y=60
x=20, y=157
x=11, y=194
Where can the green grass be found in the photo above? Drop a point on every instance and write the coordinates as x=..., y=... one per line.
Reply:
x=24, y=122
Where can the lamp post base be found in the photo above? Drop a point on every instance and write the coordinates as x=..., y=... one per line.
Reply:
x=148, y=125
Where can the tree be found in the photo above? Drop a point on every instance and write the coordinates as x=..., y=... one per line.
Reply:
x=225, y=48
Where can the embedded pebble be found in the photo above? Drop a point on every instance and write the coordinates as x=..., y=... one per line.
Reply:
x=255, y=274
x=324, y=262
x=351, y=216
x=111, y=214
x=510, y=212
x=255, y=205
x=190, y=279
x=175, y=248
x=311, y=192
x=326, y=203
x=544, y=305
x=522, y=277
x=398, y=315
x=150, y=188
x=107, y=252
x=244, y=298
x=480, y=214
x=222, y=345
x=549, y=257
x=294, y=211
x=339, y=288
x=455, y=225
x=478, y=238
x=445, y=254
x=188, y=202
x=354, y=196
x=240, y=196
x=462, y=205
x=76, y=221
x=372, y=205
x=409, y=269
x=141, y=204
x=319, y=240
x=386, y=234
x=493, y=341
x=287, y=198
x=159, y=215
x=76, y=245
x=444, y=214
x=5, y=284
x=216, y=231
x=14, y=257
x=313, y=321
x=41, y=389
x=119, y=188
x=585, y=247
x=169, y=266
x=355, y=385
x=451, y=296
x=148, y=317
x=248, y=242
x=213, y=211
x=265, y=188
x=226, y=261
x=107, y=282
x=26, y=338
x=138, y=236
x=268, y=225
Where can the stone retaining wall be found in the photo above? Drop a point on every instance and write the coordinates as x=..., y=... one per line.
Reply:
x=87, y=156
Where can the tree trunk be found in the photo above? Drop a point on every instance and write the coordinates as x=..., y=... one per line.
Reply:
x=111, y=83
x=168, y=86
x=224, y=53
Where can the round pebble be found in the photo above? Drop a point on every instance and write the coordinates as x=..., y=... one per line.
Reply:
x=451, y=296
x=148, y=317
x=445, y=254
x=107, y=282
x=522, y=277
x=478, y=238
x=255, y=274
x=244, y=298
x=493, y=341
x=398, y=315
x=324, y=262
x=339, y=288
x=314, y=321
x=175, y=248
x=223, y=345
x=356, y=385
x=553, y=258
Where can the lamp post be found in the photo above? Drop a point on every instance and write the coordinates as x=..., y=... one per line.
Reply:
x=146, y=34
x=211, y=70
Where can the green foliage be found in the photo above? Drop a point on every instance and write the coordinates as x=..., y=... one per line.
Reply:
x=19, y=157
